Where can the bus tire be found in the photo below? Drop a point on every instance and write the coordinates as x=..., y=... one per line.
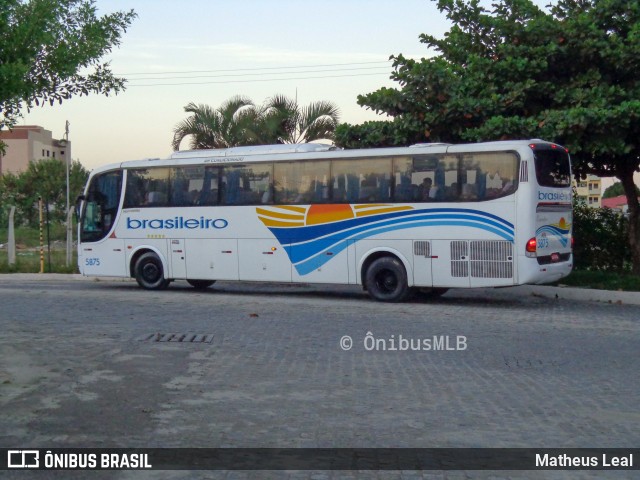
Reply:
x=149, y=272
x=386, y=280
x=200, y=284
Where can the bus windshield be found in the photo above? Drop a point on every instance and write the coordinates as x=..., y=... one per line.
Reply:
x=552, y=167
x=101, y=206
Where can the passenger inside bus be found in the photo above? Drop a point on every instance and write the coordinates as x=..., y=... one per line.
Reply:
x=428, y=192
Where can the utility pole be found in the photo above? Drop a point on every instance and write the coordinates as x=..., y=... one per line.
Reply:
x=12, y=238
x=67, y=160
x=41, y=234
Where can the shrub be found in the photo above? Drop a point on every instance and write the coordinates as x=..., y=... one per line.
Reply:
x=600, y=239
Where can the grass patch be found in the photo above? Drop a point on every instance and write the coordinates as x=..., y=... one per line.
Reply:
x=30, y=237
x=602, y=280
x=28, y=251
x=28, y=261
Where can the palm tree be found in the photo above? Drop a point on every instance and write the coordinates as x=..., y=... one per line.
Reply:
x=235, y=122
x=285, y=120
x=239, y=121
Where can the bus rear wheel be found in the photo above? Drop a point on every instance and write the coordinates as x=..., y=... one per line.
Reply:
x=386, y=280
x=201, y=284
x=149, y=272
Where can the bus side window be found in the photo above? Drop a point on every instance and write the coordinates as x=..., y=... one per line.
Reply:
x=405, y=190
x=186, y=185
x=302, y=182
x=247, y=184
x=205, y=192
x=367, y=179
x=136, y=191
x=493, y=174
x=147, y=187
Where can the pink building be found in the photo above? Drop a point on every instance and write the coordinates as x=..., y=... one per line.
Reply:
x=616, y=203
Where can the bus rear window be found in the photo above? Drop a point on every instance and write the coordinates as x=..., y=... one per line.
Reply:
x=552, y=167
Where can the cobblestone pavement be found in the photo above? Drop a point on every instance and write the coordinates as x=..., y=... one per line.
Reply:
x=76, y=371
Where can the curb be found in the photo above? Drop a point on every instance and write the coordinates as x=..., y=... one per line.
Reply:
x=586, y=294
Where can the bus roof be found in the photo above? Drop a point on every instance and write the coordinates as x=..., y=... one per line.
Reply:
x=309, y=151
x=255, y=150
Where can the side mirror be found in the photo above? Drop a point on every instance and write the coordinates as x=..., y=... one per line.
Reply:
x=79, y=200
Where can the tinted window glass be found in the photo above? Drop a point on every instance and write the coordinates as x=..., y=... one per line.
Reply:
x=453, y=178
x=552, y=167
x=194, y=186
x=247, y=184
x=172, y=187
x=147, y=188
x=101, y=206
x=361, y=181
x=206, y=190
x=485, y=176
x=424, y=178
x=302, y=182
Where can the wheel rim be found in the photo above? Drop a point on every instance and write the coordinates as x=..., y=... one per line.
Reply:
x=386, y=281
x=151, y=273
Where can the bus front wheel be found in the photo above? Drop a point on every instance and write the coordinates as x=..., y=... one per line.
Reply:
x=149, y=272
x=200, y=284
x=386, y=280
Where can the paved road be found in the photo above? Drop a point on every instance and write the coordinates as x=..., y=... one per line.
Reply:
x=530, y=371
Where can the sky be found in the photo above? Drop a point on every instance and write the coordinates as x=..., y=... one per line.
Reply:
x=207, y=51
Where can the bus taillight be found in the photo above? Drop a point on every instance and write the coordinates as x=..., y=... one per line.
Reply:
x=531, y=247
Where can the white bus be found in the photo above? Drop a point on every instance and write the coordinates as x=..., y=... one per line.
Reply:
x=395, y=220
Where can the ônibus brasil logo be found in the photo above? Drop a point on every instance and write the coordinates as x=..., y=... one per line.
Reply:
x=177, y=223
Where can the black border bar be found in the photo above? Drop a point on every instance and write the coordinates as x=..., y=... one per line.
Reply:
x=323, y=458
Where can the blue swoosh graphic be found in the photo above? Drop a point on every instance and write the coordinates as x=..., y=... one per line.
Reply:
x=312, y=232
x=301, y=250
x=307, y=246
x=317, y=259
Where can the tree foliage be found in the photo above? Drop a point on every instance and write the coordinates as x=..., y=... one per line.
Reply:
x=46, y=179
x=239, y=121
x=288, y=122
x=616, y=190
x=375, y=134
x=51, y=50
x=569, y=75
x=600, y=235
x=233, y=123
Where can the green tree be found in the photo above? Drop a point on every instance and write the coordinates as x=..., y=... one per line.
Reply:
x=238, y=121
x=233, y=123
x=569, y=75
x=616, y=190
x=374, y=134
x=50, y=50
x=46, y=179
x=288, y=122
x=600, y=239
